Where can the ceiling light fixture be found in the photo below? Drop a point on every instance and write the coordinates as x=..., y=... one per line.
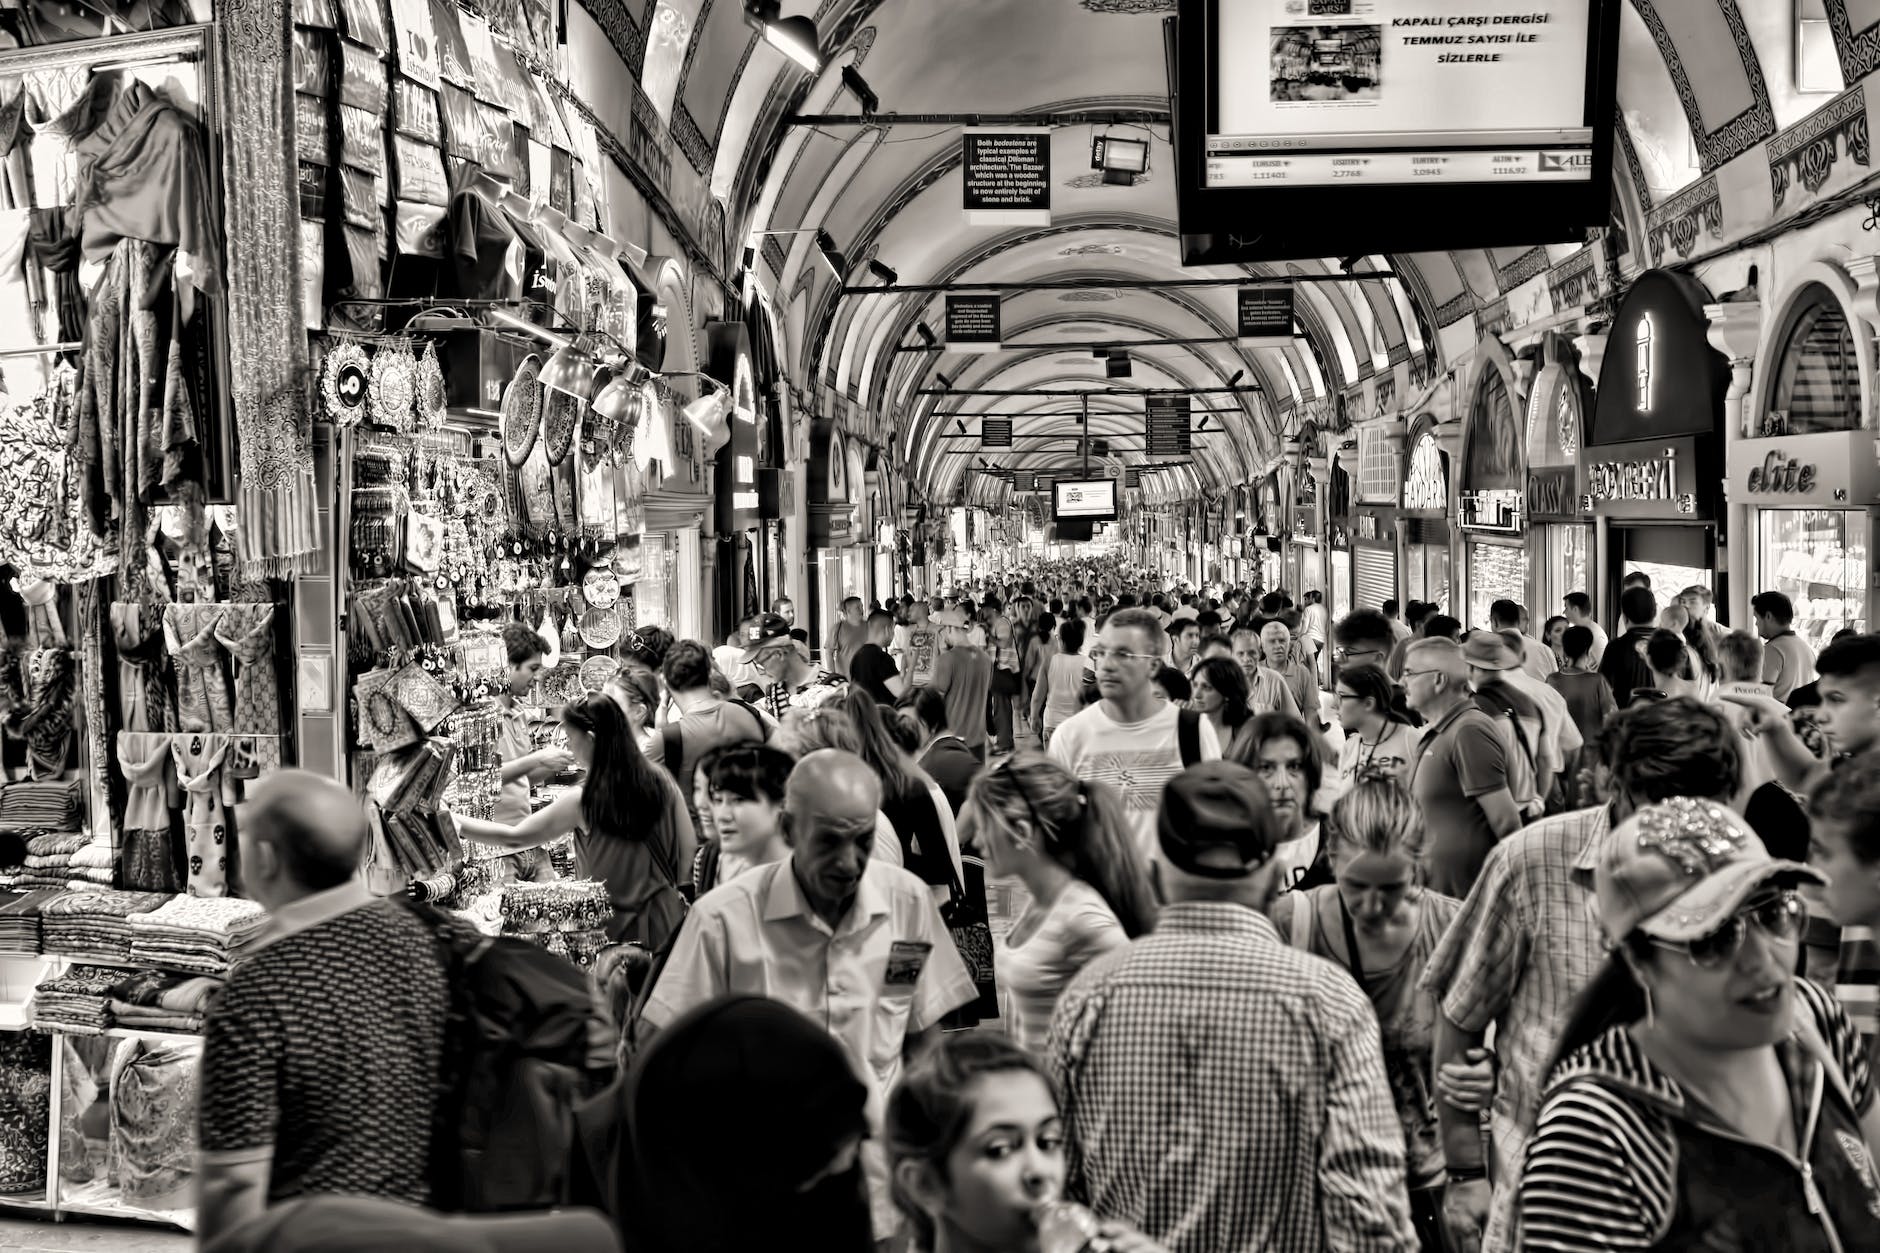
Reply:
x=926, y=334
x=1118, y=366
x=960, y=423
x=832, y=256
x=859, y=88
x=883, y=272
x=1238, y=375
x=946, y=384
x=795, y=37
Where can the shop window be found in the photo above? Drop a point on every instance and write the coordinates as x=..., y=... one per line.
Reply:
x=1817, y=67
x=1818, y=559
x=1817, y=382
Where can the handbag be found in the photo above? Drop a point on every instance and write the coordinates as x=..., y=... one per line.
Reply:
x=969, y=922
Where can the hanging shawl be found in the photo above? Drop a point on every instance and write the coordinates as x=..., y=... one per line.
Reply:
x=144, y=176
x=143, y=684
x=247, y=632
x=46, y=722
x=276, y=535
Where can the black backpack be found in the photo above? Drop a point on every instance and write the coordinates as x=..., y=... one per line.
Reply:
x=525, y=1046
x=1188, y=735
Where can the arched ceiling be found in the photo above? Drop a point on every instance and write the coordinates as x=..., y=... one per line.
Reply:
x=1692, y=94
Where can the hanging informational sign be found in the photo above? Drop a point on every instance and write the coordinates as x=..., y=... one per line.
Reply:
x=1005, y=176
x=972, y=322
x=995, y=432
x=1132, y=478
x=1643, y=479
x=1166, y=427
x=1266, y=316
x=1024, y=481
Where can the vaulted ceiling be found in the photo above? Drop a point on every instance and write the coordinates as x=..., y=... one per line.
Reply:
x=1700, y=81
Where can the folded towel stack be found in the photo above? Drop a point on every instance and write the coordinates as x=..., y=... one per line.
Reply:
x=155, y=1000
x=198, y=933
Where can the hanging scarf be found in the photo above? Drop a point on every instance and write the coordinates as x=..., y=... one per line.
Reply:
x=276, y=535
x=143, y=175
x=46, y=725
x=143, y=684
x=247, y=632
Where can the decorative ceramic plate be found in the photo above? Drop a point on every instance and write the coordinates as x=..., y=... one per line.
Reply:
x=433, y=398
x=601, y=589
x=394, y=387
x=561, y=413
x=600, y=628
x=345, y=383
x=595, y=672
x=522, y=411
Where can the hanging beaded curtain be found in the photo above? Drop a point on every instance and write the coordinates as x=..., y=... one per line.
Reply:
x=267, y=349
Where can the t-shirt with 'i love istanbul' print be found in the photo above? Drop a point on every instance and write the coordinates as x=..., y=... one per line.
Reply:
x=1136, y=758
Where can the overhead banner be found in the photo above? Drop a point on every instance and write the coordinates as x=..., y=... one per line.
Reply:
x=1024, y=481
x=1005, y=176
x=1266, y=316
x=995, y=432
x=1166, y=427
x=972, y=322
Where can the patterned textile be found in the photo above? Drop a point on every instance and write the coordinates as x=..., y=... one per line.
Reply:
x=25, y=1109
x=75, y=1001
x=94, y=921
x=153, y=1121
x=207, y=793
x=52, y=806
x=247, y=632
x=43, y=533
x=97, y=728
x=144, y=701
x=150, y=772
x=281, y=1059
x=19, y=921
x=275, y=536
x=1517, y=956
x=45, y=720
x=198, y=933
x=202, y=692
x=1224, y=1091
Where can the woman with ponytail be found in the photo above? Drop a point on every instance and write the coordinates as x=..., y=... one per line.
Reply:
x=629, y=821
x=913, y=802
x=1069, y=842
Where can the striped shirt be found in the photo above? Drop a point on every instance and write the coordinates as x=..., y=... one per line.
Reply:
x=1225, y=1092
x=1602, y=1171
x=1517, y=956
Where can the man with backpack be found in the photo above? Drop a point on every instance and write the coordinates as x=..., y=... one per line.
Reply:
x=1533, y=761
x=1130, y=739
x=701, y=720
x=1460, y=774
x=324, y=1056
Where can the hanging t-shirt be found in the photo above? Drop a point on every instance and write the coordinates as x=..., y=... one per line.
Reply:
x=480, y=243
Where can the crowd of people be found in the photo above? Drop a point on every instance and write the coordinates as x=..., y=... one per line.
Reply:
x=1289, y=934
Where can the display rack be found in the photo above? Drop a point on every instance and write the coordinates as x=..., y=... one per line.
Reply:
x=59, y=1198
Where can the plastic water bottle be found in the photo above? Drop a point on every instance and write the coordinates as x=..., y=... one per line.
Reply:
x=1066, y=1227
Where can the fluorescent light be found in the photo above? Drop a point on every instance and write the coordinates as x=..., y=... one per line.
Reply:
x=796, y=38
x=505, y=318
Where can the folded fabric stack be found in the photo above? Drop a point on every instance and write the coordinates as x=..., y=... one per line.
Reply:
x=49, y=805
x=155, y=1000
x=76, y=1001
x=95, y=862
x=19, y=919
x=49, y=859
x=198, y=933
x=94, y=922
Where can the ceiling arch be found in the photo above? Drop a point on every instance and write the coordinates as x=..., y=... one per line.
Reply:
x=1693, y=92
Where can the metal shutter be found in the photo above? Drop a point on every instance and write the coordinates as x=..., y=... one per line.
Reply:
x=1375, y=577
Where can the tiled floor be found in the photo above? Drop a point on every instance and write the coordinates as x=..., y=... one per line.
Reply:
x=75, y=1235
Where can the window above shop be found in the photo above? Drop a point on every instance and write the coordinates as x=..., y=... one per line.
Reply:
x=1816, y=386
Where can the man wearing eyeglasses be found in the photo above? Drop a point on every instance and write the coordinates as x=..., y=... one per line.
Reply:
x=1129, y=739
x=773, y=649
x=1365, y=637
x=1525, y=944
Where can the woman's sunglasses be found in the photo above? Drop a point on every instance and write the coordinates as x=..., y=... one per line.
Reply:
x=1780, y=917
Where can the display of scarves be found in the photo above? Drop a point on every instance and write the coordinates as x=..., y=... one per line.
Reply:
x=45, y=723
x=155, y=793
x=144, y=701
x=202, y=694
x=91, y=673
x=199, y=761
x=143, y=175
x=247, y=632
x=153, y=1122
x=25, y=1109
x=276, y=536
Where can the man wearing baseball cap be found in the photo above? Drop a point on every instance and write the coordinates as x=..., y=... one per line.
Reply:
x=771, y=646
x=1287, y=1138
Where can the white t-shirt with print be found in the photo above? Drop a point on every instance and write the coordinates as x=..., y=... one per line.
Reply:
x=1136, y=758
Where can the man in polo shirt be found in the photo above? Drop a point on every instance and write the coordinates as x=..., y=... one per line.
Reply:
x=1284, y=656
x=1460, y=774
x=1788, y=662
x=855, y=944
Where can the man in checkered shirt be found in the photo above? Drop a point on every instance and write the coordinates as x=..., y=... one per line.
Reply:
x=1223, y=1091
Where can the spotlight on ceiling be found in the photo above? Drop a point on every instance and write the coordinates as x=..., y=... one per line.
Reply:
x=1201, y=425
x=1118, y=366
x=946, y=384
x=1238, y=375
x=926, y=334
x=832, y=255
x=1350, y=263
x=859, y=88
x=884, y=272
x=961, y=424
x=795, y=37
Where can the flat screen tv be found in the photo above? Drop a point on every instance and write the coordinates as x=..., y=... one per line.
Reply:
x=1090, y=500
x=1333, y=128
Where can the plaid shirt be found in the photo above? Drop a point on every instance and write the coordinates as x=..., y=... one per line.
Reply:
x=1517, y=955
x=1225, y=1092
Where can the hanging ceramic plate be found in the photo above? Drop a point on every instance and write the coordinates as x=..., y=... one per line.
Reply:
x=522, y=411
x=433, y=398
x=600, y=628
x=595, y=672
x=345, y=383
x=600, y=588
x=561, y=413
x=394, y=387
x=598, y=433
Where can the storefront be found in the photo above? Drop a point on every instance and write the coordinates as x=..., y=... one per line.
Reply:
x=1812, y=502
x=1560, y=540
x=1649, y=477
x=1425, y=518
x=1493, y=494
x=832, y=531
x=1340, y=522
x=1377, y=492
x=1269, y=570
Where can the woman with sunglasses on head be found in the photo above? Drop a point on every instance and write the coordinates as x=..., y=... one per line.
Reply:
x=636, y=690
x=1378, y=740
x=1377, y=920
x=1219, y=692
x=1069, y=842
x=629, y=821
x=976, y=1155
x=1702, y=1096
